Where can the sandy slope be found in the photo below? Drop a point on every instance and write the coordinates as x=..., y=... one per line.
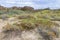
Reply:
x=2, y=24
x=25, y=35
x=58, y=22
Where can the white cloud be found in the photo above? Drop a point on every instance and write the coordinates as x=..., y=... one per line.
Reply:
x=9, y=2
x=33, y=3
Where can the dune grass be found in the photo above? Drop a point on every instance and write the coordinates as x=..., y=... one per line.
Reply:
x=33, y=19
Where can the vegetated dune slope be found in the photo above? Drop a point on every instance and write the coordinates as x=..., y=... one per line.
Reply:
x=17, y=24
x=38, y=33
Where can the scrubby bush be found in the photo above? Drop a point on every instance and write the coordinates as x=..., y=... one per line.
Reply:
x=25, y=16
x=27, y=8
x=24, y=26
x=7, y=27
x=2, y=8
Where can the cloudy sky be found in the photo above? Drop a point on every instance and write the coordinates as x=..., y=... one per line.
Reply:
x=33, y=3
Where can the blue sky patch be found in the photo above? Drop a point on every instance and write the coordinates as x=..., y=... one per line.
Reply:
x=37, y=4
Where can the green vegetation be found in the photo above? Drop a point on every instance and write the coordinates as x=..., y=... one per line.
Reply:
x=30, y=18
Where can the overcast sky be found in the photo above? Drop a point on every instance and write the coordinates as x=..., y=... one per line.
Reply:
x=33, y=3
